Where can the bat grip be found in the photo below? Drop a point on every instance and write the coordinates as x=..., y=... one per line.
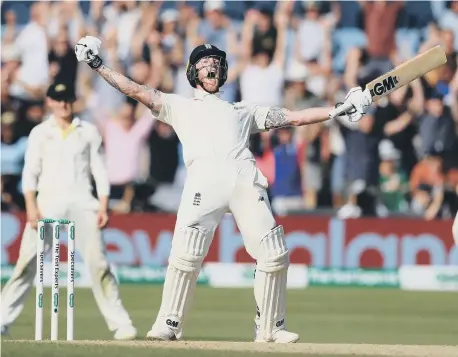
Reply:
x=340, y=110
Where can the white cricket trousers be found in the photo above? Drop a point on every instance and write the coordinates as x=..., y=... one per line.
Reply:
x=215, y=188
x=89, y=245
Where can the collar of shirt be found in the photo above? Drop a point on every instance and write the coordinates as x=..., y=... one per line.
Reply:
x=76, y=122
x=201, y=94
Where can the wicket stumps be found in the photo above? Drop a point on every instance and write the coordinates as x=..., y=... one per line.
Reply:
x=55, y=224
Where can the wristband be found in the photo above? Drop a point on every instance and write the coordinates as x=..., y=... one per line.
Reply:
x=96, y=62
x=349, y=111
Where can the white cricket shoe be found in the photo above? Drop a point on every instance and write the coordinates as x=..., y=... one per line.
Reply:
x=161, y=334
x=279, y=336
x=125, y=333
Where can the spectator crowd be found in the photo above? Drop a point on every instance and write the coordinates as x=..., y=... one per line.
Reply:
x=400, y=159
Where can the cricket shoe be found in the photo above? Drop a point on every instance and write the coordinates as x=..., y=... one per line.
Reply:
x=278, y=336
x=125, y=333
x=161, y=334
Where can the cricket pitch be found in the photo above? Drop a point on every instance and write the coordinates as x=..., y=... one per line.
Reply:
x=314, y=349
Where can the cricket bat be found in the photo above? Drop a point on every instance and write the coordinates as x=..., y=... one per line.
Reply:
x=400, y=76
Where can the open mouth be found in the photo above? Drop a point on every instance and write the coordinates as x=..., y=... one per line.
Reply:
x=212, y=73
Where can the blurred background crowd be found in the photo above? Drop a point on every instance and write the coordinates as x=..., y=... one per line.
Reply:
x=399, y=160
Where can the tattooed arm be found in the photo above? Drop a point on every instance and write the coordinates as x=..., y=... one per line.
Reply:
x=148, y=96
x=87, y=50
x=280, y=117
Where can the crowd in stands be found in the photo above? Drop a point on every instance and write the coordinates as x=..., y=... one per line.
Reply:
x=401, y=159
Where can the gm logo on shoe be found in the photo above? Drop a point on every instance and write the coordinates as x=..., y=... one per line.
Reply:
x=171, y=323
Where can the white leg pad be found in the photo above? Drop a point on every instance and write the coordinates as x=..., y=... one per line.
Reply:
x=270, y=283
x=189, y=249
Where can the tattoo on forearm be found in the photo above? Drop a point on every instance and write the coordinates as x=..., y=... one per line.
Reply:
x=154, y=98
x=149, y=96
x=276, y=118
x=116, y=80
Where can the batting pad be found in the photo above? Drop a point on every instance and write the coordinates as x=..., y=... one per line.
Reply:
x=189, y=249
x=270, y=283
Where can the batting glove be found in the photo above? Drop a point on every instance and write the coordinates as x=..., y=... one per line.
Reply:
x=87, y=50
x=360, y=101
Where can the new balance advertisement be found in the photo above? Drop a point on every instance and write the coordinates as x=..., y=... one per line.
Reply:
x=323, y=242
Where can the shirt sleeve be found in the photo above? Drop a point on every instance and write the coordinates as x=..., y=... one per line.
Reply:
x=258, y=117
x=32, y=162
x=165, y=115
x=97, y=165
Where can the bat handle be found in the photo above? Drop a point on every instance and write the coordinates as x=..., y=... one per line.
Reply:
x=340, y=110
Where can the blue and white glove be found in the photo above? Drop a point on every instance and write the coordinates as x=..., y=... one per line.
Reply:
x=87, y=50
x=360, y=101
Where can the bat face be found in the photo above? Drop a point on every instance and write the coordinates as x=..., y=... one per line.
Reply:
x=399, y=76
x=385, y=85
x=406, y=72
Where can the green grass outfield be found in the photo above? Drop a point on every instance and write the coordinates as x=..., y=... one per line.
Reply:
x=326, y=319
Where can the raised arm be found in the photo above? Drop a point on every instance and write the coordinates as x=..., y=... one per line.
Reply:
x=281, y=117
x=249, y=24
x=87, y=50
x=281, y=22
x=148, y=96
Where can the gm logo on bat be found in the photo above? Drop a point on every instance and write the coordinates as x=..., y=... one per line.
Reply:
x=386, y=85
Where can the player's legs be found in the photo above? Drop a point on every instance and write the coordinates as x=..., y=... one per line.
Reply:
x=16, y=290
x=203, y=203
x=90, y=245
x=265, y=242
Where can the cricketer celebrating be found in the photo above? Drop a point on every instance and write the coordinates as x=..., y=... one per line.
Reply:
x=221, y=176
x=62, y=153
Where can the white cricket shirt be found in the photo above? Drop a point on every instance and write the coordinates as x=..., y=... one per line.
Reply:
x=61, y=163
x=211, y=128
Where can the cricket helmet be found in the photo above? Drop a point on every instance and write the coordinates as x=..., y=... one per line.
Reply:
x=200, y=52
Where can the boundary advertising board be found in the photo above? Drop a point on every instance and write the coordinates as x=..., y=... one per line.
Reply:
x=323, y=242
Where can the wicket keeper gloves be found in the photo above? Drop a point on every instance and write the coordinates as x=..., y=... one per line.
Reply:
x=87, y=50
x=361, y=101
